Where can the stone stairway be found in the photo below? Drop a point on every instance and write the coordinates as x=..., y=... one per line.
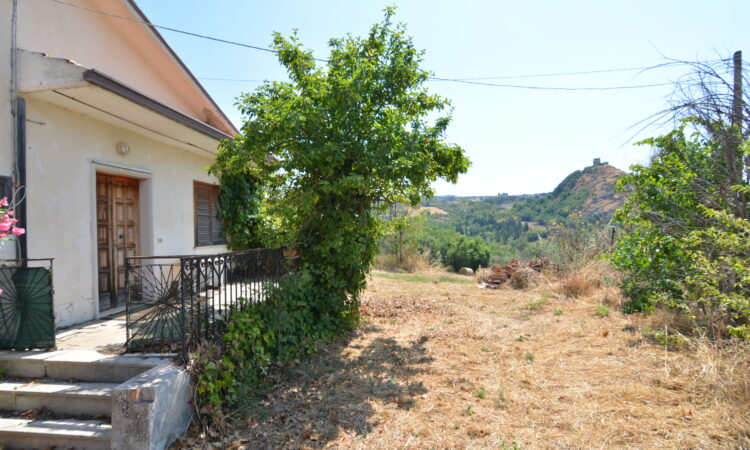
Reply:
x=73, y=389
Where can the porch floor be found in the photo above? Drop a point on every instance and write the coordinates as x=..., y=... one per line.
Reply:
x=105, y=336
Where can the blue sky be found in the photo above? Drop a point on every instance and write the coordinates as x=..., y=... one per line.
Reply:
x=519, y=140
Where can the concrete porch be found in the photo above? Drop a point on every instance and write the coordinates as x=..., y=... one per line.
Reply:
x=105, y=336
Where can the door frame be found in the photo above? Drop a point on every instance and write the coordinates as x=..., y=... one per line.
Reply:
x=145, y=222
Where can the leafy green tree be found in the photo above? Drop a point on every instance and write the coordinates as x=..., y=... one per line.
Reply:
x=684, y=244
x=403, y=233
x=334, y=145
x=466, y=252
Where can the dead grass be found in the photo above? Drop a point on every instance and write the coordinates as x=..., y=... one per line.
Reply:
x=447, y=365
x=581, y=282
x=409, y=263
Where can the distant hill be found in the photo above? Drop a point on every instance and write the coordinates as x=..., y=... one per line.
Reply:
x=513, y=224
x=594, y=190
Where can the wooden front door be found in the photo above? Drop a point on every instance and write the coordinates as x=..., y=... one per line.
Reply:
x=117, y=234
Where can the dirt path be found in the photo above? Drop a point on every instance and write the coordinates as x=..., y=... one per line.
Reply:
x=446, y=365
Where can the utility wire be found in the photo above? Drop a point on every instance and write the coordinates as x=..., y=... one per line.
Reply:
x=510, y=77
x=231, y=79
x=174, y=30
x=479, y=83
x=472, y=81
x=562, y=74
x=548, y=88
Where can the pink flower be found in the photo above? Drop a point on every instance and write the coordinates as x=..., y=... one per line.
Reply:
x=3, y=202
x=18, y=231
x=3, y=235
x=5, y=225
x=1, y=292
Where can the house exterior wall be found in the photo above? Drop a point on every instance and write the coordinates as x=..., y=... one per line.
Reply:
x=6, y=118
x=61, y=144
x=123, y=49
x=62, y=199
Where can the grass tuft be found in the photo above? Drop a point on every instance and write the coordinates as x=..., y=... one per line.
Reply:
x=581, y=282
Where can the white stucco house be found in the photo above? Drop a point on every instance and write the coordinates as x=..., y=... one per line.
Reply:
x=108, y=134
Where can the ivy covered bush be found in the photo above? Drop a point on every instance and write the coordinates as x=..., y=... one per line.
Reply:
x=255, y=338
x=240, y=210
x=333, y=148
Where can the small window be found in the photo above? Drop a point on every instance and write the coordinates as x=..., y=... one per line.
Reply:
x=6, y=188
x=206, y=205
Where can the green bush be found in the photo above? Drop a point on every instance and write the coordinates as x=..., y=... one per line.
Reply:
x=684, y=245
x=239, y=210
x=466, y=252
x=258, y=337
x=332, y=147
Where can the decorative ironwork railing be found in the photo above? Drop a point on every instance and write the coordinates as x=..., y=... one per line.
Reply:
x=175, y=300
x=26, y=304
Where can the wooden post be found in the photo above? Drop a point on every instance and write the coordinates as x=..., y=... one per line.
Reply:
x=737, y=163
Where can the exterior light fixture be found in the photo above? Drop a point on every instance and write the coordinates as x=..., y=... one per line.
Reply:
x=122, y=148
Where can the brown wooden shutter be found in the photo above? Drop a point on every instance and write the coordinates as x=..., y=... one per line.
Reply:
x=208, y=230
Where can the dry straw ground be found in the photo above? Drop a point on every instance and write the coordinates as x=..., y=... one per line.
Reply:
x=439, y=363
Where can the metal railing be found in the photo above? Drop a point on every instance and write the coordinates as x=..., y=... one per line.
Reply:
x=173, y=301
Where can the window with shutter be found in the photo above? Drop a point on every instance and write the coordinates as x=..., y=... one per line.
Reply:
x=207, y=224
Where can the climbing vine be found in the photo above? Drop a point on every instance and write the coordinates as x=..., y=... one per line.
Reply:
x=239, y=209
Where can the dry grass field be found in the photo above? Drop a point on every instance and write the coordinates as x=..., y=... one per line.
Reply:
x=440, y=363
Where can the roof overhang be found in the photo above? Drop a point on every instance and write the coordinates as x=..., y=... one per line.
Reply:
x=87, y=91
x=155, y=32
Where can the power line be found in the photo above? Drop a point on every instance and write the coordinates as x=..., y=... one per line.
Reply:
x=560, y=74
x=231, y=79
x=479, y=83
x=174, y=30
x=472, y=81
x=548, y=88
x=509, y=77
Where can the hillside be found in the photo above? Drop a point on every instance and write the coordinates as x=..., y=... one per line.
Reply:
x=512, y=225
x=590, y=192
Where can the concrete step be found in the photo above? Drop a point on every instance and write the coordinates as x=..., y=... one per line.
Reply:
x=79, y=434
x=80, y=365
x=75, y=399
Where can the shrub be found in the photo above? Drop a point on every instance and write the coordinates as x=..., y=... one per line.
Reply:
x=686, y=244
x=402, y=235
x=257, y=337
x=578, y=242
x=466, y=252
x=581, y=282
x=323, y=189
x=239, y=210
x=666, y=339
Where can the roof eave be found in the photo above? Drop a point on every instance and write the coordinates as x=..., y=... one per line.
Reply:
x=108, y=83
x=179, y=61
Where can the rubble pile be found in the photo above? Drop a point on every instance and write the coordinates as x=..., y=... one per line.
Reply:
x=497, y=275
